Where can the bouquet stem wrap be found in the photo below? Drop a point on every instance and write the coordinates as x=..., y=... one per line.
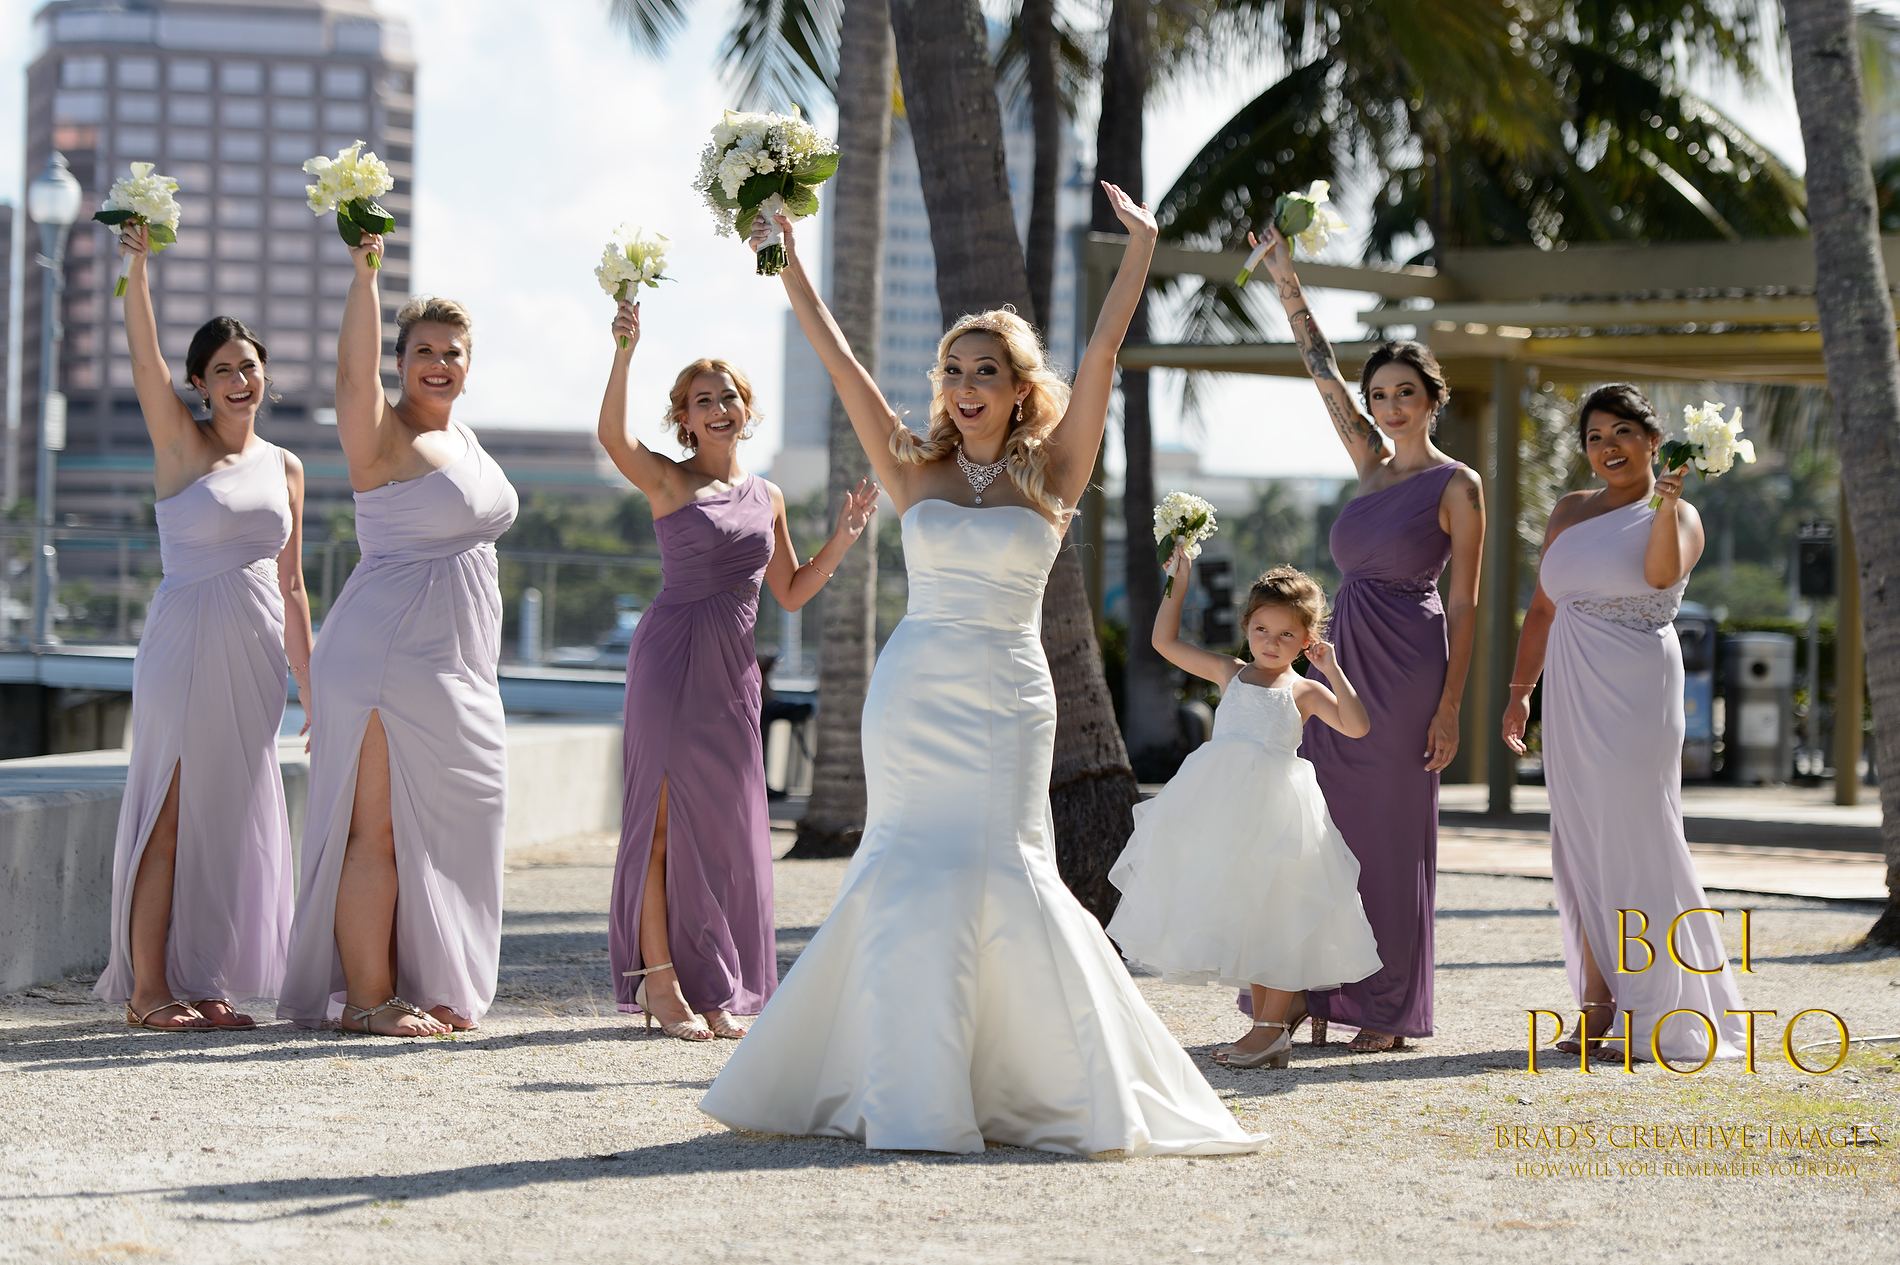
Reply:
x=1184, y=519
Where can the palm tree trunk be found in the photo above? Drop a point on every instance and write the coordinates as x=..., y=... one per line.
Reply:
x=834, y=816
x=1148, y=690
x=1863, y=371
x=1045, y=110
x=950, y=98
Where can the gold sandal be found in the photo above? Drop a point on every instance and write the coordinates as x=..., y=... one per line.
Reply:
x=145, y=1020
x=248, y=1025
x=689, y=1029
x=366, y=1013
x=722, y=1025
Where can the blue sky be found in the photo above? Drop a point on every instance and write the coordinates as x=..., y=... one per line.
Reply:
x=539, y=129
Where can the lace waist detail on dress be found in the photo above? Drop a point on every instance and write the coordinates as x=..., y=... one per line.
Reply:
x=1645, y=612
x=1414, y=586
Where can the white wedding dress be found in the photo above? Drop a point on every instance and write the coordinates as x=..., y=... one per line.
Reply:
x=957, y=993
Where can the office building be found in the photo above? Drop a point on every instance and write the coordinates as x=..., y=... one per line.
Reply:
x=229, y=97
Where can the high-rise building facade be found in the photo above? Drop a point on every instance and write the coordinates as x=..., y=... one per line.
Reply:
x=229, y=97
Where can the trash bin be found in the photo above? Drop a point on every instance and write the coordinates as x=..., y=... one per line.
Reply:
x=1696, y=630
x=1758, y=744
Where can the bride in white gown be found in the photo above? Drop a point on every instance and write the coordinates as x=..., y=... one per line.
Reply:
x=957, y=993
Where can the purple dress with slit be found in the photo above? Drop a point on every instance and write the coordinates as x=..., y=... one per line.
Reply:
x=1388, y=627
x=693, y=726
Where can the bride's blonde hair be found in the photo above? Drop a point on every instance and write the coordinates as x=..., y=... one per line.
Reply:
x=1042, y=408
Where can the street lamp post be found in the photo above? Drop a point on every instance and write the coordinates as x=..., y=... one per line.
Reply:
x=53, y=202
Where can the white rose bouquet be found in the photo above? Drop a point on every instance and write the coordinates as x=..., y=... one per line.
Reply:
x=1710, y=442
x=349, y=184
x=1185, y=518
x=633, y=258
x=144, y=197
x=764, y=164
x=1304, y=219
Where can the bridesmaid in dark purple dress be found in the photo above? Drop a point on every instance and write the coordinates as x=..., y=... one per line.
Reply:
x=1416, y=511
x=690, y=930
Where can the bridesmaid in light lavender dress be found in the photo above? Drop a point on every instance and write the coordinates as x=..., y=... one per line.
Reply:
x=1416, y=511
x=1601, y=626
x=201, y=882
x=398, y=929
x=690, y=934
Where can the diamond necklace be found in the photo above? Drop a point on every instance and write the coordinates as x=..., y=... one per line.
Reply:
x=980, y=477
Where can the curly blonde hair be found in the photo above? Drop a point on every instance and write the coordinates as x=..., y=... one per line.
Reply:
x=1292, y=588
x=683, y=386
x=1024, y=450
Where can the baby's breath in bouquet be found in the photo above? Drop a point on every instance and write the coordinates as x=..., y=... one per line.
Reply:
x=144, y=197
x=1185, y=518
x=349, y=184
x=1710, y=442
x=1306, y=220
x=633, y=258
x=763, y=164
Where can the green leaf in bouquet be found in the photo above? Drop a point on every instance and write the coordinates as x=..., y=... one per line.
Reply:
x=160, y=235
x=1164, y=549
x=114, y=217
x=801, y=201
x=1292, y=215
x=757, y=189
x=818, y=170
x=742, y=219
x=1676, y=454
x=370, y=216
x=1196, y=523
x=349, y=230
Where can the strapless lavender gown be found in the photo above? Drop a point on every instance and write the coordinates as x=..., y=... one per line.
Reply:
x=208, y=690
x=1389, y=629
x=693, y=724
x=415, y=636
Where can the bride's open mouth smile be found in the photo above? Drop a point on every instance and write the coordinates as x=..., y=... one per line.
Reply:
x=970, y=410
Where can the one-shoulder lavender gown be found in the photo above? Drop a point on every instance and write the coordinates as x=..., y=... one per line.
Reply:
x=1389, y=629
x=693, y=723
x=415, y=636
x=208, y=688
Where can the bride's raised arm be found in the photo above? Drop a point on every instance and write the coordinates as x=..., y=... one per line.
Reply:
x=1072, y=445
x=871, y=414
x=1363, y=441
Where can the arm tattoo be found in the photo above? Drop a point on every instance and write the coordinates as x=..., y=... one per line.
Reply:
x=1318, y=352
x=1471, y=494
x=1352, y=427
x=1290, y=289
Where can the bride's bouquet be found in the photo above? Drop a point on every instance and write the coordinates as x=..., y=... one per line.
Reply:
x=1710, y=442
x=764, y=164
x=633, y=258
x=144, y=198
x=349, y=184
x=1307, y=220
x=1185, y=518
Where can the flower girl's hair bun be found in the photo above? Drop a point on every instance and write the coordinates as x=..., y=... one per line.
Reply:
x=1290, y=587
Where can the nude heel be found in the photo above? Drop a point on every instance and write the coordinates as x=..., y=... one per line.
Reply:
x=1279, y=1054
x=693, y=1029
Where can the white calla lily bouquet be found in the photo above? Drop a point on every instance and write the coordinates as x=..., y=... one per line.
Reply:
x=144, y=197
x=349, y=184
x=1306, y=220
x=1710, y=442
x=1182, y=517
x=633, y=258
x=764, y=164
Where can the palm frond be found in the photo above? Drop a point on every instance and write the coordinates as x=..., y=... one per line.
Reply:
x=650, y=24
x=781, y=53
x=1078, y=53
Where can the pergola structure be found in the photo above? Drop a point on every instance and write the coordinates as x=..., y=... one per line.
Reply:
x=1501, y=321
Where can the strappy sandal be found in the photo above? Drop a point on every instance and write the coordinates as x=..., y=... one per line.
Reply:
x=1298, y=1014
x=722, y=1025
x=145, y=1020
x=366, y=1013
x=248, y=1025
x=690, y=1029
x=1369, y=1042
x=1583, y=1039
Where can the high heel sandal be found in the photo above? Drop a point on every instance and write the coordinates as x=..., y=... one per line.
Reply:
x=1370, y=1042
x=1582, y=1038
x=1276, y=1054
x=1298, y=1014
x=722, y=1025
x=690, y=1029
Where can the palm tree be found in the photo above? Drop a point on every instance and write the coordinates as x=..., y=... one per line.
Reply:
x=1857, y=339
x=950, y=99
x=783, y=52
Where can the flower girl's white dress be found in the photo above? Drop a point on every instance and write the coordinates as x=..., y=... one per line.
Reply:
x=1235, y=873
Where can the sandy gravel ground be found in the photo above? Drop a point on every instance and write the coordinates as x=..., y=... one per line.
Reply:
x=560, y=1131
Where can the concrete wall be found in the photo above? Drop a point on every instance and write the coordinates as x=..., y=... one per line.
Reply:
x=59, y=816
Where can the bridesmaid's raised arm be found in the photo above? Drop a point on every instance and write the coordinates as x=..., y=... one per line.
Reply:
x=1364, y=443
x=167, y=419
x=1073, y=443
x=1675, y=535
x=647, y=470
x=871, y=414
x=361, y=406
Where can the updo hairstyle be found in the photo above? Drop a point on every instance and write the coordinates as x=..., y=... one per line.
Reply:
x=1618, y=399
x=434, y=311
x=683, y=386
x=1293, y=588
x=211, y=336
x=1048, y=399
x=1415, y=356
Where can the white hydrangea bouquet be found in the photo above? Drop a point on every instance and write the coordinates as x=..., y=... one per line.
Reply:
x=1185, y=518
x=633, y=258
x=349, y=184
x=144, y=197
x=1710, y=442
x=764, y=164
x=1305, y=219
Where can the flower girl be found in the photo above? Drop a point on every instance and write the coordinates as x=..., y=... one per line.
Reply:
x=1235, y=872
